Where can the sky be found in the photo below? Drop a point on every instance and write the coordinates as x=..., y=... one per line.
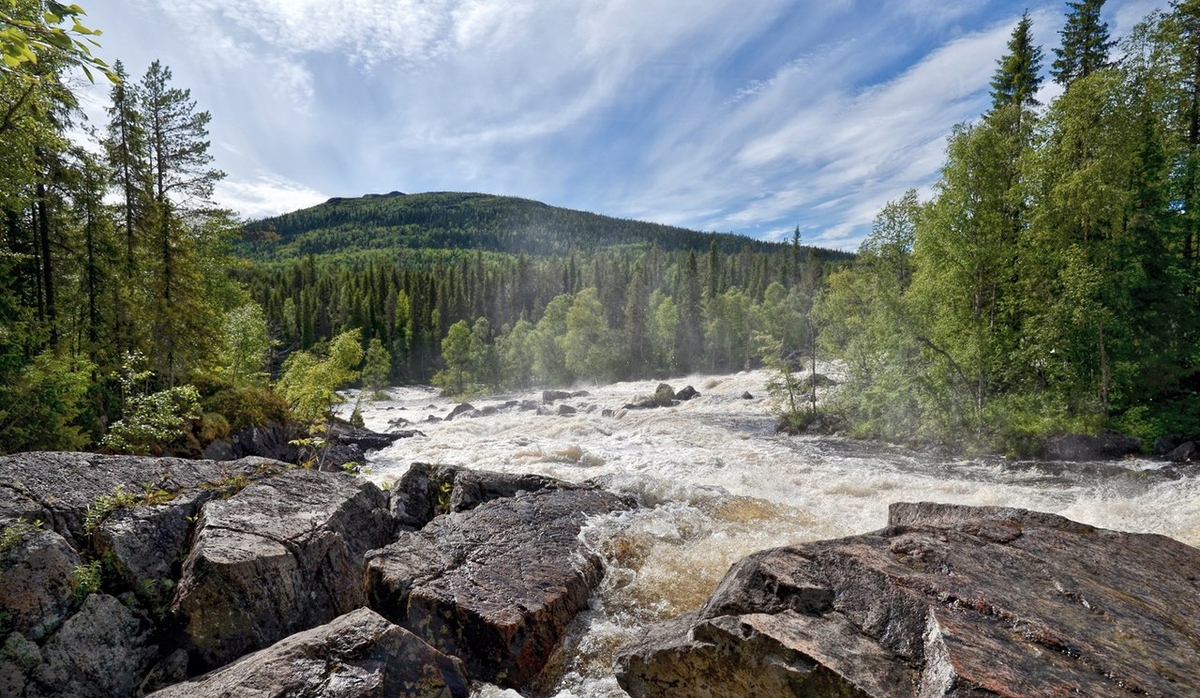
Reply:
x=745, y=116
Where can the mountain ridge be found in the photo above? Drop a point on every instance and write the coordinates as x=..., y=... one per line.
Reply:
x=470, y=221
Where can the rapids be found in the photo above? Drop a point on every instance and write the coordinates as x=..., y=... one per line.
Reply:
x=715, y=483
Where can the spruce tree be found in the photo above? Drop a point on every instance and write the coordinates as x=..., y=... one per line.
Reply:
x=1085, y=43
x=1016, y=80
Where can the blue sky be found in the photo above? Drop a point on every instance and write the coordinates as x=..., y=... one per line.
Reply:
x=750, y=116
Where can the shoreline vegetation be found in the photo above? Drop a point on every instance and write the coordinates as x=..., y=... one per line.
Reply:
x=1047, y=287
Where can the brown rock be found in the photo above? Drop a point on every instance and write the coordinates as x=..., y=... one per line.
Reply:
x=946, y=601
x=496, y=585
x=359, y=654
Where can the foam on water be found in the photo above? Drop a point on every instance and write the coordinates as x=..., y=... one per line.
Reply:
x=715, y=483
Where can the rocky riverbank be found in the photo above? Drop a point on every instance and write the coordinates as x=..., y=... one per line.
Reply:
x=120, y=576
x=126, y=576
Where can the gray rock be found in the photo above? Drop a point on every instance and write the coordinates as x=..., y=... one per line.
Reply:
x=687, y=394
x=460, y=409
x=747, y=396
x=101, y=651
x=427, y=490
x=496, y=585
x=946, y=601
x=549, y=396
x=36, y=592
x=566, y=411
x=1079, y=447
x=1185, y=453
x=359, y=654
x=58, y=488
x=272, y=441
x=147, y=544
x=281, y=556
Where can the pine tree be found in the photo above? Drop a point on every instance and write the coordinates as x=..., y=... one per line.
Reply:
x=129, y=159
x=1016, y=80
x=1085, y=43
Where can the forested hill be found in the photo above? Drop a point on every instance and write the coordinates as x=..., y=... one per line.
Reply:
x=453, y=220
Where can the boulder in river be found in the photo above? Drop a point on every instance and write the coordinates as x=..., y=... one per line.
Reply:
x=358, y=654
x=1185, y=453
x=687, y=394
x=1081, y=447
x=945, y=601
x=283, y=555
x=460, y=409
x=496, y=585
x=427, y=490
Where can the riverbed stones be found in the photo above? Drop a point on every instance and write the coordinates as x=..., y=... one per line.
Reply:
x=495, y=585
x=945, y=601
x=359, y=654
x=284, y=555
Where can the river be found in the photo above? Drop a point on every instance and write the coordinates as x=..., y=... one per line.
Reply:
x=715, y=483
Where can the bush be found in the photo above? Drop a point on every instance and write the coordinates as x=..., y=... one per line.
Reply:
x=243, y=408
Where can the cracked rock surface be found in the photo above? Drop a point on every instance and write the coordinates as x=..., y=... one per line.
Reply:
x=358, y=654
x=284, y=555
x=945, y=601
x=495, y=585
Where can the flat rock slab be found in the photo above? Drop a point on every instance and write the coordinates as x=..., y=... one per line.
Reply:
x=58, y=488
x=495, y=585
x=946, y=601
x=281, y=556
x=357, y=655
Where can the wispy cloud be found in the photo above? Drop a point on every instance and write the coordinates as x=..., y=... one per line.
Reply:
x=718, y=114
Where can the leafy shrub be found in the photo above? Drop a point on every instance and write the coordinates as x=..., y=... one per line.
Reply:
x=85, y=580
x=14, y=533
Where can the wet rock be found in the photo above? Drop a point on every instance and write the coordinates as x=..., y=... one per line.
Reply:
x=366, y=440
x=460, y=409
x=59, y=488
x=608, y=412
x=427, y=490
x=549, y=396
x=747, y=396
x=528, y=405
x=358, y=654
x=946, y=601
x=664, y=396
x=1165, y=444
x=281, y=556
x=1079, y=447
x=566, y=411
x=103, y=650
x=687, y=394
x=496, y=585
x=433, y=418
x=36, y=592
x=1185, y=453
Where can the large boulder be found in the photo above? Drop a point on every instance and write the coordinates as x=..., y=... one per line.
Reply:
x=359, y=654
x=1080, y=447
x=946, y=601
x=495, y=585
x=36, y=572
x=101, y=651
x=270, y=441
x=427, y=490
x=281, y=556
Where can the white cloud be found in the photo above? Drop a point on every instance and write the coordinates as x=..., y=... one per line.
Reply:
x=265, y=195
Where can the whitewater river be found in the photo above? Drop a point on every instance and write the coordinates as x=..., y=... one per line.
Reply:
x=716, y=483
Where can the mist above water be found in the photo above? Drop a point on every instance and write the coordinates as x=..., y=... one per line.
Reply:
x=715, y=483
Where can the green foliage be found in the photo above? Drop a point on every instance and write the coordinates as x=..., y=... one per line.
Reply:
x=311, y=381
x=153, y=421
x=40, y=406
x=105, y=505
x=247, y=407
x=17, y=531
x=377, y=368
x=85, y=580
x=28, y=35
x=247, y=344
x=1017, y=79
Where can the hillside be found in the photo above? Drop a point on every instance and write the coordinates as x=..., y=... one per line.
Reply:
x=452, y=220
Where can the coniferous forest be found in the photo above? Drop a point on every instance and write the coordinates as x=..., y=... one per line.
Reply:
x=1048, y=285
